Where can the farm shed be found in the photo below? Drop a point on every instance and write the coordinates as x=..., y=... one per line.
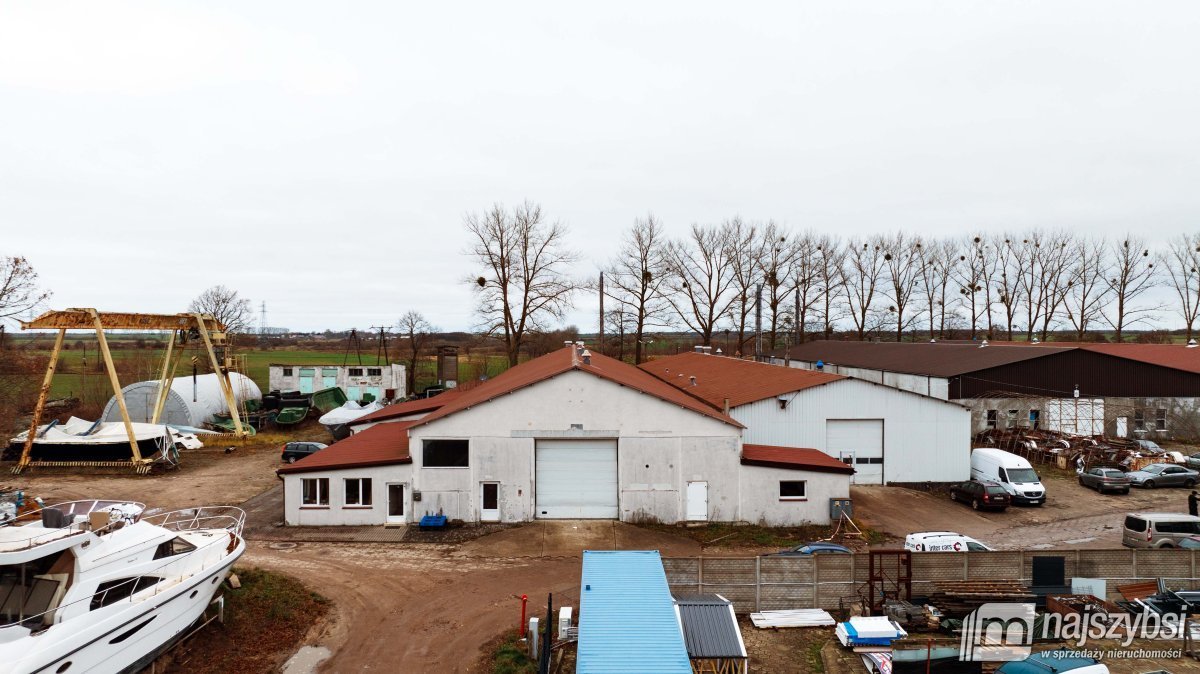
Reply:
x=1121, y=390
x=569, y=435
x=380, y=382
x=888, y=435
x=627, y=618
x=192, y=401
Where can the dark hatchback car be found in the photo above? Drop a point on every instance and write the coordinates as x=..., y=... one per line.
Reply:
x=294, y=451
x=814, y=549
x=981, y=495
x=1105, y=479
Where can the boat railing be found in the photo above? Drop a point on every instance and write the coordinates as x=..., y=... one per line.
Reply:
x=70, y=512
x=229, y=518
x=158, y=585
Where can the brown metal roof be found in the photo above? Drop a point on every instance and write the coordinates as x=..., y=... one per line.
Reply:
x=740, y=381
x=932, y=359
x=379, y=445
x=416, y=406
x=1174, y=356
x=795, y=458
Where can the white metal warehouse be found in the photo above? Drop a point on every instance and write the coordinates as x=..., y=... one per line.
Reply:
x=568, y=435
x=889, y=435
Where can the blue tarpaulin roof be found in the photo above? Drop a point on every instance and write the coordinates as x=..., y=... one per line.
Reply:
x=627, y=620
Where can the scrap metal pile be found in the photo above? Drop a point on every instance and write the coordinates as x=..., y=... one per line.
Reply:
x=1066, y=450
x=957, y=598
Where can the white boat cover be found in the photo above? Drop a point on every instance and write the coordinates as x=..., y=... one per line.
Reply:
x=349, y=412
x=71, y=433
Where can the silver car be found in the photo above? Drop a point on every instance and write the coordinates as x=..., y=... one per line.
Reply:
x=1163, y=475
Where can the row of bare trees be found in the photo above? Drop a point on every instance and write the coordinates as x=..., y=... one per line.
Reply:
x=1010, y=285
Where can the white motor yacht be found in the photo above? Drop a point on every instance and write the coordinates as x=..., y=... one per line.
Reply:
x=98, y=587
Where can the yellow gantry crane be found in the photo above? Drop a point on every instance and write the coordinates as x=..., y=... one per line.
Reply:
x=183, y=328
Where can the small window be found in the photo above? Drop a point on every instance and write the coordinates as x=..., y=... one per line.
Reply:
x=1135, y=524
x=445, y=454
x=358, y=491
x=996, y=490
x=792, y=489
x=1035, y=419
x=316, y=491
x=972, y=546
x=1012, y=418
x=113, y=591
x=374, y=372
x=991, y=418
x=355, y=372
x=287, y=371
x=175, y=546
x=1139, y=420
x=1160, y=419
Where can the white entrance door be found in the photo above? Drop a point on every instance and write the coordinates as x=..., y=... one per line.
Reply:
x=489, y=502
x=697, y=501
x=395, y=503
x=1122, y=427
x=576, y=479
x=864, y=439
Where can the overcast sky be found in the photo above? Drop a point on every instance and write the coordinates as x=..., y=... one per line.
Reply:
x=320, y=156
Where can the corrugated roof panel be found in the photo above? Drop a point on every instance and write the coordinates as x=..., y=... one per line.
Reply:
x=627, y=620
x=709, y=628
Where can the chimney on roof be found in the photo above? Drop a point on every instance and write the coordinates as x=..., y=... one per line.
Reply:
x=698, y=348
x=692, y=379
x=587, y=357
x=727, y=407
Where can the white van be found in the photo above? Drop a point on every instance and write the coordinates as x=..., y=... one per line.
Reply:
x=942, y=541
x=1012, y=472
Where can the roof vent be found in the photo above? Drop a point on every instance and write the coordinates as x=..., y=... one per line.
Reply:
x=719, y=352
x=587, y=357
x=1191, y=343
x=692, y=379
x=932, y=340
x=569, y=344
x=699, y=348
x=1036, y=340
x=983, y=344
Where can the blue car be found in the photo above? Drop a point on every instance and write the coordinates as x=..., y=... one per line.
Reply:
x=815, y=549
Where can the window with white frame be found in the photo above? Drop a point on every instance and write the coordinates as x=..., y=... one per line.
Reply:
x=1160, y=419
x=358, y=491
x=315, y=491
x=793, y=490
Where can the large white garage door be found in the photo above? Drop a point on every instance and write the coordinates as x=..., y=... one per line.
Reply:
x=859, y=441
x=576, y=479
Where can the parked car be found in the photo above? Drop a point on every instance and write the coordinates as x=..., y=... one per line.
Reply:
x=942, y=541
x=980, y=495
x=1148, y=445
x=1193, y=461
x=1105, y=479
x=1190, y=543
x=294, y=451
x=1010, y=471
x=819, y=548
x=1062, y=660
x=1158, y=530
x=1163, y=475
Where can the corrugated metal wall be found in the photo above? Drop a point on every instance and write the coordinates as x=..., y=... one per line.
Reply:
x=1096, y=374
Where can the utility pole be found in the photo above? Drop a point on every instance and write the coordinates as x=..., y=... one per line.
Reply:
x=381, y=348
x=262, y=321
x=352, y=339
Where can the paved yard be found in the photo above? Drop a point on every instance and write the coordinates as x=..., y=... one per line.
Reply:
x=1073, y=516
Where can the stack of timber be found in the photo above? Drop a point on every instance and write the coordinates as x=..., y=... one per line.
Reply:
x=957, y=598
x=801, y=617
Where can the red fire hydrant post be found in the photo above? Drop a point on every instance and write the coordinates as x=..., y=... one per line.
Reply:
x=524, y=599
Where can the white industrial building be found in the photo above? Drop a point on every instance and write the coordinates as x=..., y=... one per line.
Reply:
x=568, y=435
x=380, y=382
x=888, y=435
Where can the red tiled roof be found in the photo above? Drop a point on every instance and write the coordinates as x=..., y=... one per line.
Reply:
x=797, y=458
x=408, y=407
x=564, y=360
x=741, y=381
x=379, y=445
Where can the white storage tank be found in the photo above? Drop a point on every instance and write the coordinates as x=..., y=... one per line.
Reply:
x=190, y=402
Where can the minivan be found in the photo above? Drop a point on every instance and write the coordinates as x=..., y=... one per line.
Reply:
x=1010, y=471
x=1158, y=530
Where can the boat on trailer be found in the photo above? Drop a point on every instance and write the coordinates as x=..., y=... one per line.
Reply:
x=101, y=587
x=100, y=441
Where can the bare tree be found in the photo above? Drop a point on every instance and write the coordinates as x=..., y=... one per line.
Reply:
x=902, y=260
x=19, y=290
x=524, y=280
x=637, y=279
x=418, y=332
x=1006, y=279
x=225, y=305
x=780, y=252
x=702, y=290
x=971, y=278
x=745, y=253
x=806, y=283
x=1087, y=287
x=862, y=276
x=1054, y=275
x=1183, y=267
x=829, y=260
x=1131, y=275
x=938, y=261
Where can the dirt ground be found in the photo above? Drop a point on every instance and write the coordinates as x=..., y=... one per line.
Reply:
x=1073, y=516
